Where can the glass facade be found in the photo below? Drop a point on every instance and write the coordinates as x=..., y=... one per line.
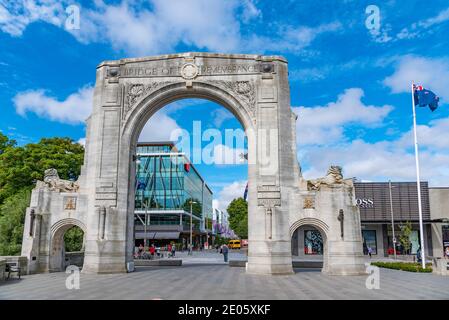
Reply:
x=166, y=184
x=166, y=181
x=369, y=241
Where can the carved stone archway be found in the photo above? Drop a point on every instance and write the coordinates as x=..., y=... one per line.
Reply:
x=256, y=90
x=57, y=251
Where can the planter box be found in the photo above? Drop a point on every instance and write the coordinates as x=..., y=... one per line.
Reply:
x=157, y=262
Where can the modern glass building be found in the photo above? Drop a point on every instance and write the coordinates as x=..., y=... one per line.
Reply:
x=168, y=188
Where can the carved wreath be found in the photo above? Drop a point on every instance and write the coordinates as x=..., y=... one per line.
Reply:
x=244, y=90
x=136, y=91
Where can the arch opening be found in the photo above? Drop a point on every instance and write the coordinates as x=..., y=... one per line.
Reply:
x=157, y=191
x=67, y=245
x=309, y=246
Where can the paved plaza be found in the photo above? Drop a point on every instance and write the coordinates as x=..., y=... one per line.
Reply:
x=205, y=276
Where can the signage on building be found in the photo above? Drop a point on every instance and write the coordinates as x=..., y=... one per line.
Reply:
x=373, y=200
x=365, y=203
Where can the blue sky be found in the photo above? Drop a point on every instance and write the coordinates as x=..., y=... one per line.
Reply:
x=349, y=77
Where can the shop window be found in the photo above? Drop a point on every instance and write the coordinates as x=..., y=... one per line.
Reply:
x=313, y=242
x=369, y=241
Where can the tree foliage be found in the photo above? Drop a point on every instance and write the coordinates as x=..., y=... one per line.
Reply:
x=5, y=142
x=238, y=217
x=73, y=239
x=404, y=237
x=12, y=215
x=21, y=166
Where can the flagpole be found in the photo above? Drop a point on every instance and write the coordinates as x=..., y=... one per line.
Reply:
x=418, y=182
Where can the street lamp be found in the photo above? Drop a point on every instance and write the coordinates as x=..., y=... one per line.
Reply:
x=392, y=218
x=191, y=222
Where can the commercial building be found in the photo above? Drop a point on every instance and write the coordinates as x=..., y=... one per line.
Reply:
x=221, y=226
x=170, y=193
x=385, y=207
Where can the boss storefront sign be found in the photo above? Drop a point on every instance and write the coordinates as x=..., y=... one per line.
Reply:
x=365, y=203
x=373, y=200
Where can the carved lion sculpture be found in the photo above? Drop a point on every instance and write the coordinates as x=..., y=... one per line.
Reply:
x=334, y=176
x=54, y=183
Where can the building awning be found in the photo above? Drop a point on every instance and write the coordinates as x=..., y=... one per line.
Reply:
x=157, y=235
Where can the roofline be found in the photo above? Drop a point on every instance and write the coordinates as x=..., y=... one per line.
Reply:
x=256, y=57
x=171, y=143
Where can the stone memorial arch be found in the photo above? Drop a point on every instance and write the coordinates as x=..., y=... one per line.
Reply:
x=256, y=90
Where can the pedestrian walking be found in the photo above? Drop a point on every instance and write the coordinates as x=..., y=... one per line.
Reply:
x=370, y=251
x=225, y=251
x=173, y=250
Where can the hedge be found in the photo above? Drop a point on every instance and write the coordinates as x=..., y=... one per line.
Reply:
x=404, y=266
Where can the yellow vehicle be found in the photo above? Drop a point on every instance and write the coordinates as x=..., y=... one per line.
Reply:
x=234, y=244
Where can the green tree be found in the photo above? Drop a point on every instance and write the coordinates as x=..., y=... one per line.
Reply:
x=20, y=167
x=5, y=142
x=238, y=217
x=73, y=239
x=12, y=214
x=404, y=237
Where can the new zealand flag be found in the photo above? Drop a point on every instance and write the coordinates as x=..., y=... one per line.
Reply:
x=425, y=98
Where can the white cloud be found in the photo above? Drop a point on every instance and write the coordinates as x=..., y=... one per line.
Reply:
x=158, y=128
x=289, y=38
x=16, y=15
x=73, y=110
x=234, y=190
x=159, y=26
x=324, y=143
x=379, y=161
x=227, y=155
x=220, y=115
x=250, y=11
x=82, y=141
x=325, y=124
x=130, y=27
x=302, y=36
x=431, y=136
x=421, y=28
x=432, y=73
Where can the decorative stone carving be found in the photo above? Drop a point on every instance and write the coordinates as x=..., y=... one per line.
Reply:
x=189, y=71
x=341, y=218
x=136, y=91
x=309, y=203
x=244, y=90
x=54, y=183
x=69, y=203
x=333, y=177
x=268, y=197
